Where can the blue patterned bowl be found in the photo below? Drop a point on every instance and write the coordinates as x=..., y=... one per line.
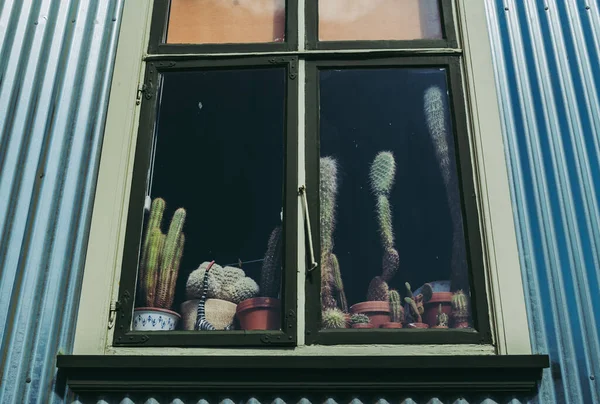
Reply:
x=154, y=319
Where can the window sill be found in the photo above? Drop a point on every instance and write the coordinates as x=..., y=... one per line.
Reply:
x=317, y=374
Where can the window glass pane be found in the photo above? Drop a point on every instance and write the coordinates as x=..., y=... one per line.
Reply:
x=219, y=156
x=390, y=203
x=346, y=20
x=226, y=21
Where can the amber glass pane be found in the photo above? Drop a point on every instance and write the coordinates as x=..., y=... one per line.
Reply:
x=347, y=20
x=226, y=21
x=393, y=251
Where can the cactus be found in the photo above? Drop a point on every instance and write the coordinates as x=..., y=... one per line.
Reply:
x=225, y=283
x=161, y=257
x=332, y=287
x=359, y=319
x=436, y=122
x=460, y=309
x=333, y=318
x=442, y=318
x=382, y=174
x=416, y=315
x=396, y=307
x=270, y=275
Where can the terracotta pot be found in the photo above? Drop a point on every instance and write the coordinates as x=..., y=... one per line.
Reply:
x=363, y=325
x=418, y=325
x=391, y=324
x=259, y=313
x=461, y=324
x=432, y=307
x=445, y=327
x=378, y=312
x=219, y=313
x=154, y=319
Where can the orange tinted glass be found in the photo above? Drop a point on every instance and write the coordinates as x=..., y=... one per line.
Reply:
x=347, y=20
x=226, y=21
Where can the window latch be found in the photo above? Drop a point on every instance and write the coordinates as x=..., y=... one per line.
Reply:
x=311, y=252
x=141, y=90
x=112, y=314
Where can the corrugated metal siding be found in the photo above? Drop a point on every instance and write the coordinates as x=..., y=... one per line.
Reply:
x=55, y=65
x=547, y=66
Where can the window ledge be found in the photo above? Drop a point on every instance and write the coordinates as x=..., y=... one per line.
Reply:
x=288, y=374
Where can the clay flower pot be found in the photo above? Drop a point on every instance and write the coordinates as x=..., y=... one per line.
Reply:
x=259, y=313
x=154, y=319
x=432, y=307
x=378, y=312
x=418, y=325
x=391, y=324
x=445, y=327
x=461, y=324
x=363, y=325
x=219, y=313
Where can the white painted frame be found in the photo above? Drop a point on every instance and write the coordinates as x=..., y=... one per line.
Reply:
x=105, y=249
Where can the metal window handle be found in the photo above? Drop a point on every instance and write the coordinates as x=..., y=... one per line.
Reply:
x=311, y=252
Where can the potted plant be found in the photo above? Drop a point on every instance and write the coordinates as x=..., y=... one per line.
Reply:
x=377, y=307
x=333, y=299
x=415, y=307
x=158, y=270
x=441, y=318
x=441, y=295
x=360, y=321
x=220, y=290
x=460, y=310
x=397, y=312
x=264, y=312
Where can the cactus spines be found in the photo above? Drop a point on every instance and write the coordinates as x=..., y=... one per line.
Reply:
x=436, y=122
x=383, y=170
x=333, y=318
x=460, y=309
x=332, y=288
x=442, y=318
x=161, y=257
x=225, y=283
x=359, y=319
x=270, y=276
x=397, y=312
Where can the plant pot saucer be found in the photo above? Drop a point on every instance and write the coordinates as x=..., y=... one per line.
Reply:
x=363, y=325
x=391, y=324
x=417, y=325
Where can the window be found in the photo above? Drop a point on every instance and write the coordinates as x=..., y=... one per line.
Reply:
x=367, y=147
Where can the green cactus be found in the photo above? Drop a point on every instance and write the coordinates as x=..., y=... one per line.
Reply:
x=460, y=308
x=161, y=257
x=382, y=174
x=442, y=318
x=396, y=307
x=414, y=309
x=332, y=287
x=333, y=318
x=270, y=275
x=359, y=319
x=436, y=122
x=225, y=283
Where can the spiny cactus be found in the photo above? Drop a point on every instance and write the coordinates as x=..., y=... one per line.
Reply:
x=436, y=122
x=359, y=319
x=383, y=170
x=332, y=288
x=442, y=318
x=416, y=315
x=396, y=307
x=161, y=257
x=333, y=318
x=225, y=283
x=270, y=275
x=460, y=308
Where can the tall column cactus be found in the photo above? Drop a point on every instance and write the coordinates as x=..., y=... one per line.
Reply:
x=161, y=257
x=383, y=170
x=397, y=312
x=270, y=277
x=332, y=288
x=436, y=118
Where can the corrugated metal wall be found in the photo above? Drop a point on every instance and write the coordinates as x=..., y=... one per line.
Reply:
x=55, y=65
x=547, y=69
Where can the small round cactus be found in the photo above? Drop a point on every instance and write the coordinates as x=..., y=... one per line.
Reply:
x=442, y=318
x=359, y=319
x=333, y=318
